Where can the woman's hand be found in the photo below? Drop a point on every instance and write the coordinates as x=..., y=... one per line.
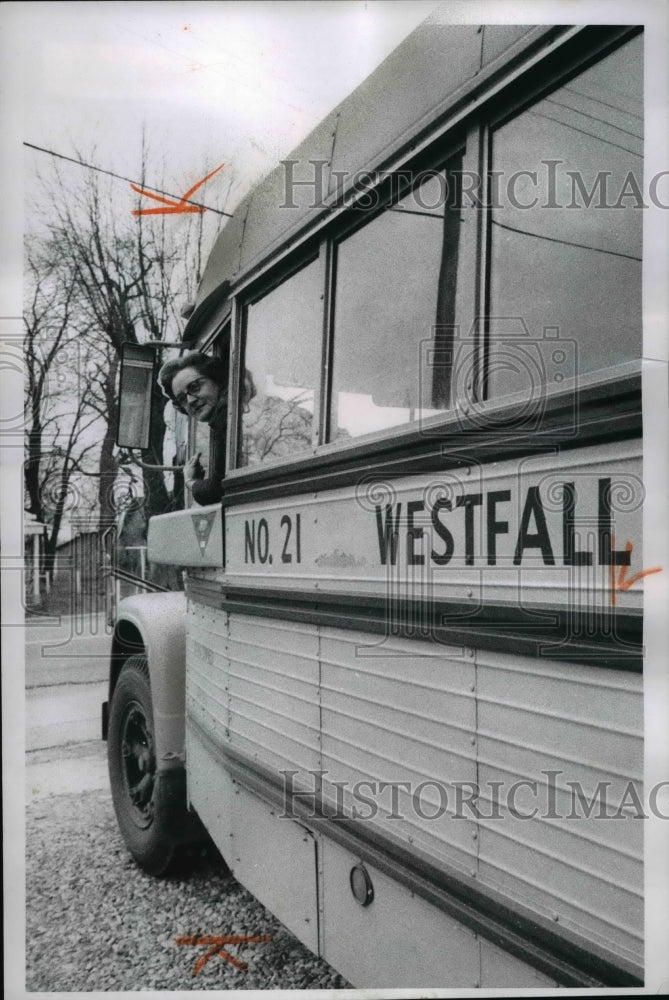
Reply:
x=193, y=470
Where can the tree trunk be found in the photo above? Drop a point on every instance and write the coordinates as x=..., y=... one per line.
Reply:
x=108, y=467
x=32, y=465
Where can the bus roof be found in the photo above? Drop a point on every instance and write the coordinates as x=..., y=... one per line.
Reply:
x=436, y=71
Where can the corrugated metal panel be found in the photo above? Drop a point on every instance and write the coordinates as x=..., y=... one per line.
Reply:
x=401, y=714
x=362, y=708
x=253, y=685
x=207, y=698
x=273, y=688
x=585, y=873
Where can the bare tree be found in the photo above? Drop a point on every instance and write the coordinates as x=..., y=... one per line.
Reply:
x=128, y=279
x=59, y=411
x=97, y=277
x=46, y=320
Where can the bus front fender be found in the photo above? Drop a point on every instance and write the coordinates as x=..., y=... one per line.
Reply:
x=155, y=625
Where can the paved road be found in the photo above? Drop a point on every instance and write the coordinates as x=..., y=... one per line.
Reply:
x=66, y=671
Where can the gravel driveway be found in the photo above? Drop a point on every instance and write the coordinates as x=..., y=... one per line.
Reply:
x=96, y=922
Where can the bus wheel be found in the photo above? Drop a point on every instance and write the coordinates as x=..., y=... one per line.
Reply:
x=147, y=813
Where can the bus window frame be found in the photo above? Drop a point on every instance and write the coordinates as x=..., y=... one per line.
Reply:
x=521, y=95
x=471, y=136
x=436, y=159
x=213, y=346
x=308, y=254
x=440, y=158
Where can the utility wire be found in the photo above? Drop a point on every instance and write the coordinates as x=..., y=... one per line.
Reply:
x=569, y=243
x=583, y=131
x=608, y=104
x=119, y=177
x=596, y=118
x=414, y=211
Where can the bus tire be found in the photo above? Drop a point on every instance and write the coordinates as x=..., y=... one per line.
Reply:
x=150, y=806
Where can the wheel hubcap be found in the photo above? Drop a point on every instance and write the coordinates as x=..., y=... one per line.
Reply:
x=138, y=763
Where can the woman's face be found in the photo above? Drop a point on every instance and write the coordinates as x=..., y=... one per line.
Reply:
x=196, y=394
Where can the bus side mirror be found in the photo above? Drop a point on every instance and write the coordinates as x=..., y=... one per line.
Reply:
x=134, y=409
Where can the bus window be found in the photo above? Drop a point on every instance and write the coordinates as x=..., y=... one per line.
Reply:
x=202, y=443
x=571, y=261
x=395, y=294
x=283, y=359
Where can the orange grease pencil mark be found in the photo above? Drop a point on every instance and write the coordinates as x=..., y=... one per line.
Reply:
x=622, y=583
x=215, y=947
x=174, y=207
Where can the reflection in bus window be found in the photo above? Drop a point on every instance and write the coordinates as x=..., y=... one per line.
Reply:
x=572, y=261
x=394, y=302
x=283, y=344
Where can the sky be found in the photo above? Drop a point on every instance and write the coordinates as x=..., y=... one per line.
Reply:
x=239, y=83
x=203, y=83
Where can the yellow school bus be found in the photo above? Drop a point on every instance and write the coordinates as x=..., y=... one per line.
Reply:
x=402, y=691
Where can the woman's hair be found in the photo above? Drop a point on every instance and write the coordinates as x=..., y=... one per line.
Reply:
x=248, y=389
x=205, y=365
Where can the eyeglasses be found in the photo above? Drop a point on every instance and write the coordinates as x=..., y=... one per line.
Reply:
x=192, y=389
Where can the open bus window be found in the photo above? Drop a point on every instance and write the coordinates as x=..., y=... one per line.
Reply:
x=202, y=443
x=282, y=357
x=395, y=292
x=572, y=261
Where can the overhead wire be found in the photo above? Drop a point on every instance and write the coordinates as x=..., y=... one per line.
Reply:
x=583, y=131
x=569, y=243
x=607, y=104
x=584, y=114
x=120, y=177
